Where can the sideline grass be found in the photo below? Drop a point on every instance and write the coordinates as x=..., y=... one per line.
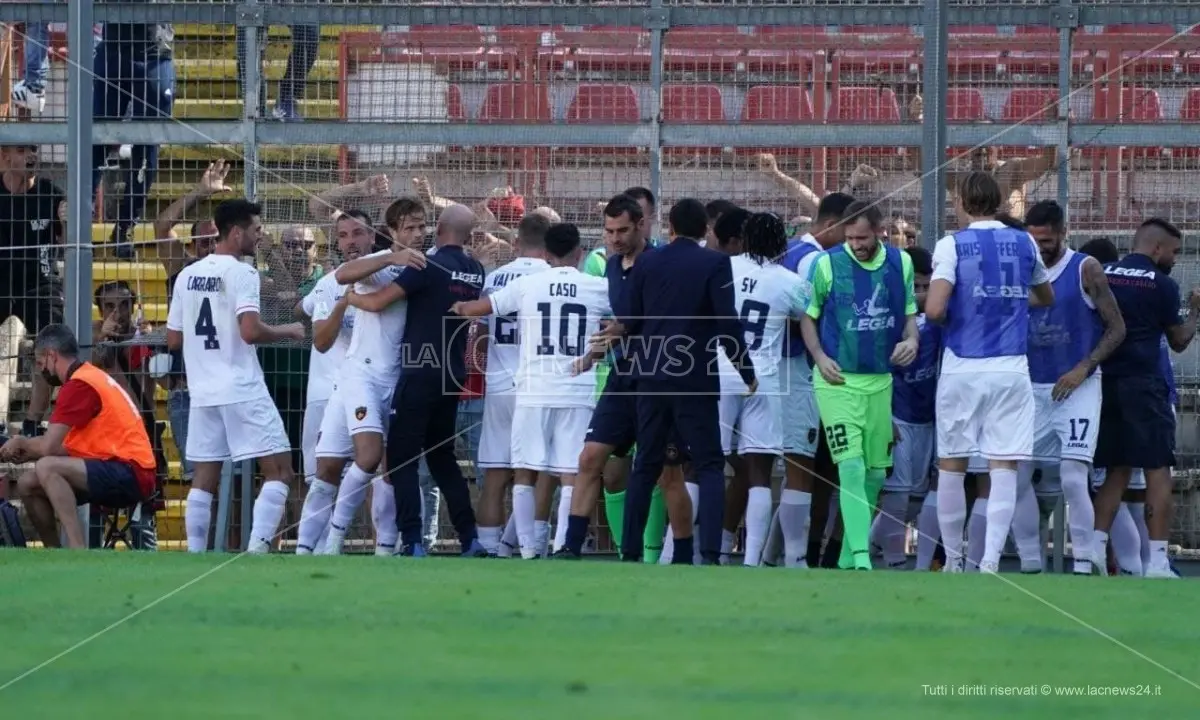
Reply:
x=363, y=637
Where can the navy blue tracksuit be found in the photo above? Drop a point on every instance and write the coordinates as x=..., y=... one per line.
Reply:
x=425, y=404
x=680, y=310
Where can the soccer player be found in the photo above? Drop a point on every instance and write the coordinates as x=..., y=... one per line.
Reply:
x=214, y=318
x=557, y=311
x=985, y=279
x=767, y=297
x=863, y=299
x=359, y=408
x=333, y=326
x=1137, y=422
x=914, y=389
x=1067, y=343
x=503, y=359
x=801, y=419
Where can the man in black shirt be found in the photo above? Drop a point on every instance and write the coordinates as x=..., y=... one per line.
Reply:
x=432, y=376
x=134, y=74
x=32, y=210
x=1137, y=420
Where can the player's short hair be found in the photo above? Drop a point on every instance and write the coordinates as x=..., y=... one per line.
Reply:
x=383, y=238
x=717, y=209
x=105, y=288
x=195, y=231
x=1161, y=224
x=765, y=237
x=1102, y=249
x=618, y=205
x=979, y=194
x=1010, y=221
x=833, y=206
x=922, y=260
x=236, y=212
x=688, y=218
x=863, y=210
x=531, y=231
x=402, y=207
x=58, y=338
x=362, y=217
x=637, y=192
x=1046, y=213
x=731, y=225
x=562, y=240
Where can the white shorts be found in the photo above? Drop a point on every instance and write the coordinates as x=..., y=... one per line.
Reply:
x=1049, y=483
x=235, y=432
x=1067, y=430
x=978, y=465
x=549, y=439
x=912, y=459
x=356, y=406
x=985, y=413
x=801, y=419
x=1137, y=480
x=496, y=435
x=313, y=415
x=753, y=424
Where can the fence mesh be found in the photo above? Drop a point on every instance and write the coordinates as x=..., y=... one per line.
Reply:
x=556, y=78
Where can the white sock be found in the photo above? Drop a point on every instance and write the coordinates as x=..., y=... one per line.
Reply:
x=541, y=537
x=976, y=534
x=1027, y=521
x=795, y=509
x=1080, y=513
x=268, y=512
x=952, y=514
x=1099, y=543
x=523, y=510
x=508, y=540
x=892, y=509
x=773, y=548
x=1159, y=559
x=728, y=542
x=197, y=518
x=564, y=511
x=319, y=548
x=349, y=499
x=928, y=532
x=693, y=491
x=314, y=515
x=1127, y=546
x=383, y=516
x=489, y=538
x=758, y=523
x=1002, y=502
x=1137, y=511
x=667, y=554
x=875, y=535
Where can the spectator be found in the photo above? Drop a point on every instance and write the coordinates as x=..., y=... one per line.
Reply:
x=30, y=92
x=95, y=451
x=32, y=215
x=134, y=75
x=306, y=42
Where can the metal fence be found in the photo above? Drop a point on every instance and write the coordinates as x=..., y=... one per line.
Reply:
x=507, y=104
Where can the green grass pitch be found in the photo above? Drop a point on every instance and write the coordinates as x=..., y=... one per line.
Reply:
x=453, y=639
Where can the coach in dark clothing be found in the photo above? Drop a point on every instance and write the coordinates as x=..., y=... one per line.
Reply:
x=433, y=373
x=680, y=309
x=1137, y=421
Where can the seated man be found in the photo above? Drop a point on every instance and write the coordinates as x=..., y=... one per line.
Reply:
x=95, y=451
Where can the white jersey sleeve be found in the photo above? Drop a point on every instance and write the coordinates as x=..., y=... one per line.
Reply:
x=175, y=311
x=374, y=350
x=945, y=260
x=507, y=300
x=247, y=289
x=323, y=366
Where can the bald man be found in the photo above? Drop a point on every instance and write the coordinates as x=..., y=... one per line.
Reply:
x=432, y=374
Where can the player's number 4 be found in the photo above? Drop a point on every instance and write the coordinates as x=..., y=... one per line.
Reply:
x=206, y=328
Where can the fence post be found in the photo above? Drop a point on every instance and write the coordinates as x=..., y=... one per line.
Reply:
x=1065, y=18
x=78, y=259
x=657, y=20
x=933, y=137
x=249, y=19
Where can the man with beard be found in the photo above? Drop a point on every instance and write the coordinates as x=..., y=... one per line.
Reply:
x=1137, y=425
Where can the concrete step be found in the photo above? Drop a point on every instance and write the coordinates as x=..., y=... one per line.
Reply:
x=222, y=48
x=285, y=155
x=202, y=31
x=221, y=70
x=231, y=109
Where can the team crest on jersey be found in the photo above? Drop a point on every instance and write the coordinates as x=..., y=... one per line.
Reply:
x=360, y=413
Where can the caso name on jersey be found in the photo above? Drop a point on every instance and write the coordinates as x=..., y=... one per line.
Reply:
x=870, y=324
x=563, y=289
x=197, y=283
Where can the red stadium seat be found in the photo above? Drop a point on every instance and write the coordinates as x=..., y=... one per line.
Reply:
x=459, y=46
x=710, y=49
x=973, y=30
x=515, y=102
x=692, y=104
x=865, y=105
x=629, y=52
x=1138, y=105
x=964, y=105
x=602, y=103
x=780, y=104
x=454, y=104
x=1189, y=112
x=1160, y=30
x=1037, y=105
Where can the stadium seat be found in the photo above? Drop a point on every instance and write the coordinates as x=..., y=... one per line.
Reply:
x=454, y=104
x=613, y=49
x=866, y=105
x=460, y=47
x=1189, y=112
x=705, y=49
x=964, y=105
x=1036, y=105
x=602, y=103
x=692, y=104
x=1138, y=105
x=777, y=104
x=515, y=102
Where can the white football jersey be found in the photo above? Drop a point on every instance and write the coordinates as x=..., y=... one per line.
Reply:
x=374, y=350
x=322, y=368
x=209, y=297
x=557, y=310
x=504, y=349
x=766, y=298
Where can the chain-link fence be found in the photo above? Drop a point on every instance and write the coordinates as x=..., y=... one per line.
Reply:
x=508, y=106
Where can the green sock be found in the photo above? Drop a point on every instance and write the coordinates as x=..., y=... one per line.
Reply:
x=614, y=510
x=856, y=513
x=875, y=480
x=656, y=525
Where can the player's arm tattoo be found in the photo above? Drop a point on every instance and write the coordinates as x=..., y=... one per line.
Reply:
x=1096, y=284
